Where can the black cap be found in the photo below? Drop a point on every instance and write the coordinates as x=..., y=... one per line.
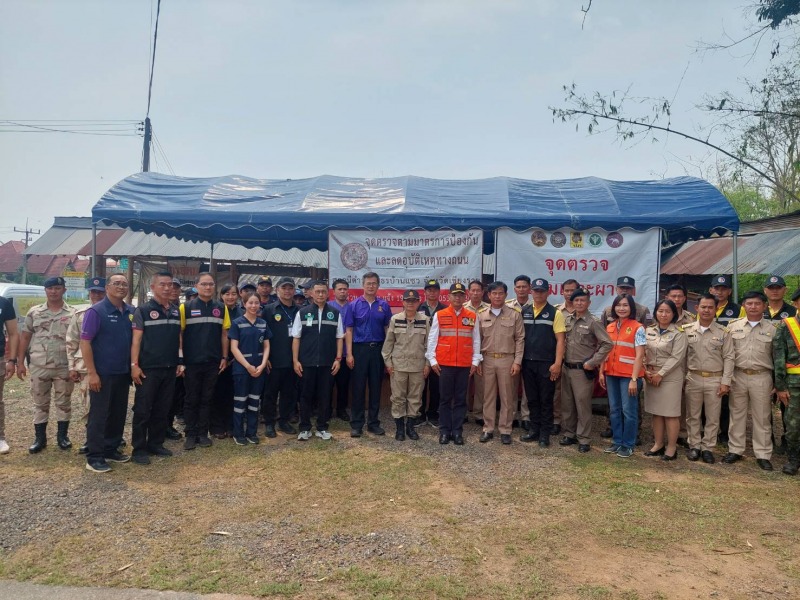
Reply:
x=540, y=285
x=796, y=295
x=721, y=280
x=774, y=281
x=432, y=283
x=96, y=284
x=458, y=288
x=191, y=291
x=298, y=293
x=626, y=281
x=265, y=280
x=248, y=284
x=285, y=281
x=176, y=281
x=578, y=293
x=410, y=295
x=51, y=281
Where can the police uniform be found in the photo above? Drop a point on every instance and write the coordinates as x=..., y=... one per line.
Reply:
x=502, y=345
x=786, y=357
x=49, y=367
x=562, y=308
x=665, y=355
x=404, y=353
x=157, y=357
x=475, y=393
x=587, y=344
x=751, y=387
x=431, y=389
x=247, y=390
x=726, y=314
x=709, y=364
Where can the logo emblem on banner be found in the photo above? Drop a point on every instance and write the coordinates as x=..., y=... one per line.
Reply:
x=614, y=239
x=538, y=238
x=354, y=256
x=576, y=239
x=558, y=239
x=595, y=240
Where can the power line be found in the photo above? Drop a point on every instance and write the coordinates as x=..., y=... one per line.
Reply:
x=163, y=154
x=153, y=60
x=129, y=131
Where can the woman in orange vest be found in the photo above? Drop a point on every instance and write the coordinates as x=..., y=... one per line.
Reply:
x=617, y=374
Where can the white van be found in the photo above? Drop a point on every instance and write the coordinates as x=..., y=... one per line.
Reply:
x=23, y=297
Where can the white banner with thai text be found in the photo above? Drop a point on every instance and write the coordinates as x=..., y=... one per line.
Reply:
x=593, y=257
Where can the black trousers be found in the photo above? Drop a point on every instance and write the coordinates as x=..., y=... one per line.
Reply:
x=199, y=381
x=178, y=396
x=431, y=392
x=315, y=390
x=341, y=383
x=107, y=411
x=540, y=391
x=453, y=384
x=368, y=371
x=151, y=406
x=281, y=393
x=221, y=417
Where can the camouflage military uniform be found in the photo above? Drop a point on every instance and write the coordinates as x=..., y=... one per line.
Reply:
x=784, y=350
x=74, y=356
x=48, y=360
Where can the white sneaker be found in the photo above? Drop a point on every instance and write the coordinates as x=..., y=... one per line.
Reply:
x=4, y=449
x=325, y=435
x=304, y=436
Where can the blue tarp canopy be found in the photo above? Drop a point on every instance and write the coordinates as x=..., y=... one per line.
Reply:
x=298, y=213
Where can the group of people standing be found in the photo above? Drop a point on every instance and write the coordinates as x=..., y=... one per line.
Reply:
x=247, y=354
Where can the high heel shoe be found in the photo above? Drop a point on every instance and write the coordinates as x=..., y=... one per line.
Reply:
x=666, y=456
x=659, y=452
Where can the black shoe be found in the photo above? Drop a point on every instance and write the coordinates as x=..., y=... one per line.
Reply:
x=434, y=420
x=764, y=463
x=479, y=422
x=528, y=437
x=356, y=433
x=40, y=442
x=342, y=415
x=793, y=466
x=190, y=443
x=118, y=457
x=486, y=436
x=707, y=456
x=526, y=425
x=98, y=465
x=505, y=438
x=584, y=448
x=731, y=458
x=141, y=459
x=607, y=433
x=173, y=434
x=410, y=431
x=269, y=431
x=287, y=429
x=668, y=457
x=160, y=451
x=556, y=429
x=567, y=441
x=683, y=442
x=83, y=449
x=693, y=454
x=400, y=433
x=444, y=438
x=659, y=452
x=515, y=424
x=253, y=439
x=458, y=439
x=544, y=441
x=722, y=438
x=204, y=441
x=122, y=443
x=61, y=435
x=376, y=430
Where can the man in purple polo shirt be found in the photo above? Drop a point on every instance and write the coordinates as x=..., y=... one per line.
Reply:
x=366, y=321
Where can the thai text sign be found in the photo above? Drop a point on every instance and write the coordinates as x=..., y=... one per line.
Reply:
x=405, y=259
x=593, y=257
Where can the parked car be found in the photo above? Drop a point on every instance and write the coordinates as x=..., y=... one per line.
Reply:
x=23, y=297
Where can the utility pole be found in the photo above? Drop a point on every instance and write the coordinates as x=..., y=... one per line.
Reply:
x=148, y=134
x=28, y=233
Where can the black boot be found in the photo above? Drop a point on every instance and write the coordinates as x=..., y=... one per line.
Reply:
x=400, y=436
x=410, y=431
x=781, y=448
x=40, y=443
x=61, y=435
x=793, y=466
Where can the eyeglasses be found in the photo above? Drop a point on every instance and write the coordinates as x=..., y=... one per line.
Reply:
x=206, y=284
x=119, y=284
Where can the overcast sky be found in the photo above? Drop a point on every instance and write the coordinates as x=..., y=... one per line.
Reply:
x=447, y=89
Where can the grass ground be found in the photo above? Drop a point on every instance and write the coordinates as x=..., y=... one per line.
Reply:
x=375, y=518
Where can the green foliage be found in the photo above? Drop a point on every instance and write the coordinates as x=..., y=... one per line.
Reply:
x=749, y=203
x=777, y=12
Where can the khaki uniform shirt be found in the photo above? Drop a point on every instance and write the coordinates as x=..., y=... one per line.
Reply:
x=587, y=340
x=711, y=350
x=514, y=303
x=503, y=333
x=482, y=307
x=48, y=335
x=753, y=345
x=685, y=319
x=74, y=355
x=664, y=351
x=562, y=308
x=406, y=342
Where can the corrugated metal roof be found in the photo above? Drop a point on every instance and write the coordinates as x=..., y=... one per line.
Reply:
x=787, y=221
x=773, y=252
x=60, y=240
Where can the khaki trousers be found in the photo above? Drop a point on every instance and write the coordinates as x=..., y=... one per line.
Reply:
x=751, y=391
x=523, y=413
x=45, y=380
x=701, y=393
x=497, y=380
x=475, y=401
x=557, y=401
x=406, y=393
x=576, y=405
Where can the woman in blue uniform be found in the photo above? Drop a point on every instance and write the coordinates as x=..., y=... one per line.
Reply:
x=249, y=337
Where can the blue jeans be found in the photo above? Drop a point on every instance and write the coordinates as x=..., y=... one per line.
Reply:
x=623, y=410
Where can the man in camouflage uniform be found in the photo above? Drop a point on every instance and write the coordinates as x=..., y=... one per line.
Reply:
x=44, y=336
x=77, y=368
x=786, y=356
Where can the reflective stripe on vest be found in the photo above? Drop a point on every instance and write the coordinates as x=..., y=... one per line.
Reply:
x=454, y=348
x=794, y=329
x=623, y=353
